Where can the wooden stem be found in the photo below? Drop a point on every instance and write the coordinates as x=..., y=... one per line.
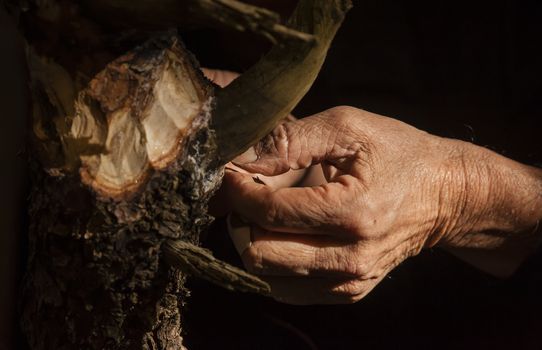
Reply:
x=201, y=263
x=230, y=14
x=253, y=104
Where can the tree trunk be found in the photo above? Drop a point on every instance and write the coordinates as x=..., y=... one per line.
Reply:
x=126, y=151
x=95, y=276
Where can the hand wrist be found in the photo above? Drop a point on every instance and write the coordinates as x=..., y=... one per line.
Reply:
x=502, y=200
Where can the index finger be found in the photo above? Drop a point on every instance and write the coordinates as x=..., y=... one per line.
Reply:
x=308, y=210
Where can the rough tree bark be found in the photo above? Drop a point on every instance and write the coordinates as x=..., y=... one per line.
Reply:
x=126, y=151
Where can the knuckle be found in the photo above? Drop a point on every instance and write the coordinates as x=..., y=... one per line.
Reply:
x=351, y=291
x=357, y=269
x=253, y=259
x=359, y=262
x=270, y=213
x=343, y=114
x=275, y=143
x=350, y=288
x=267, y=211
x=281, y=132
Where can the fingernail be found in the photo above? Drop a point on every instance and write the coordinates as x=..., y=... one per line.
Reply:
x=249, y=156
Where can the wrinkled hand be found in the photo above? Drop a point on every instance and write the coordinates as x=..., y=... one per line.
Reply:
x=391, y=190
x=220, y=204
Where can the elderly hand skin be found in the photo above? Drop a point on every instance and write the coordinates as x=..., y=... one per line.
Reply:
x=390, y=191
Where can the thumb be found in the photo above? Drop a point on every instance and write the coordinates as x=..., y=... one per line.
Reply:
x=299, y=144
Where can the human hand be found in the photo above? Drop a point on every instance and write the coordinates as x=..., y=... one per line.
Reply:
x=219, y=205
x=392, y=190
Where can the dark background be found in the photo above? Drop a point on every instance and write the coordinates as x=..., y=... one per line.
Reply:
x=14, y=108
x=467, y=70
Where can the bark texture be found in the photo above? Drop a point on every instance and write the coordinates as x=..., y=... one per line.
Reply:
x=96, y=278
